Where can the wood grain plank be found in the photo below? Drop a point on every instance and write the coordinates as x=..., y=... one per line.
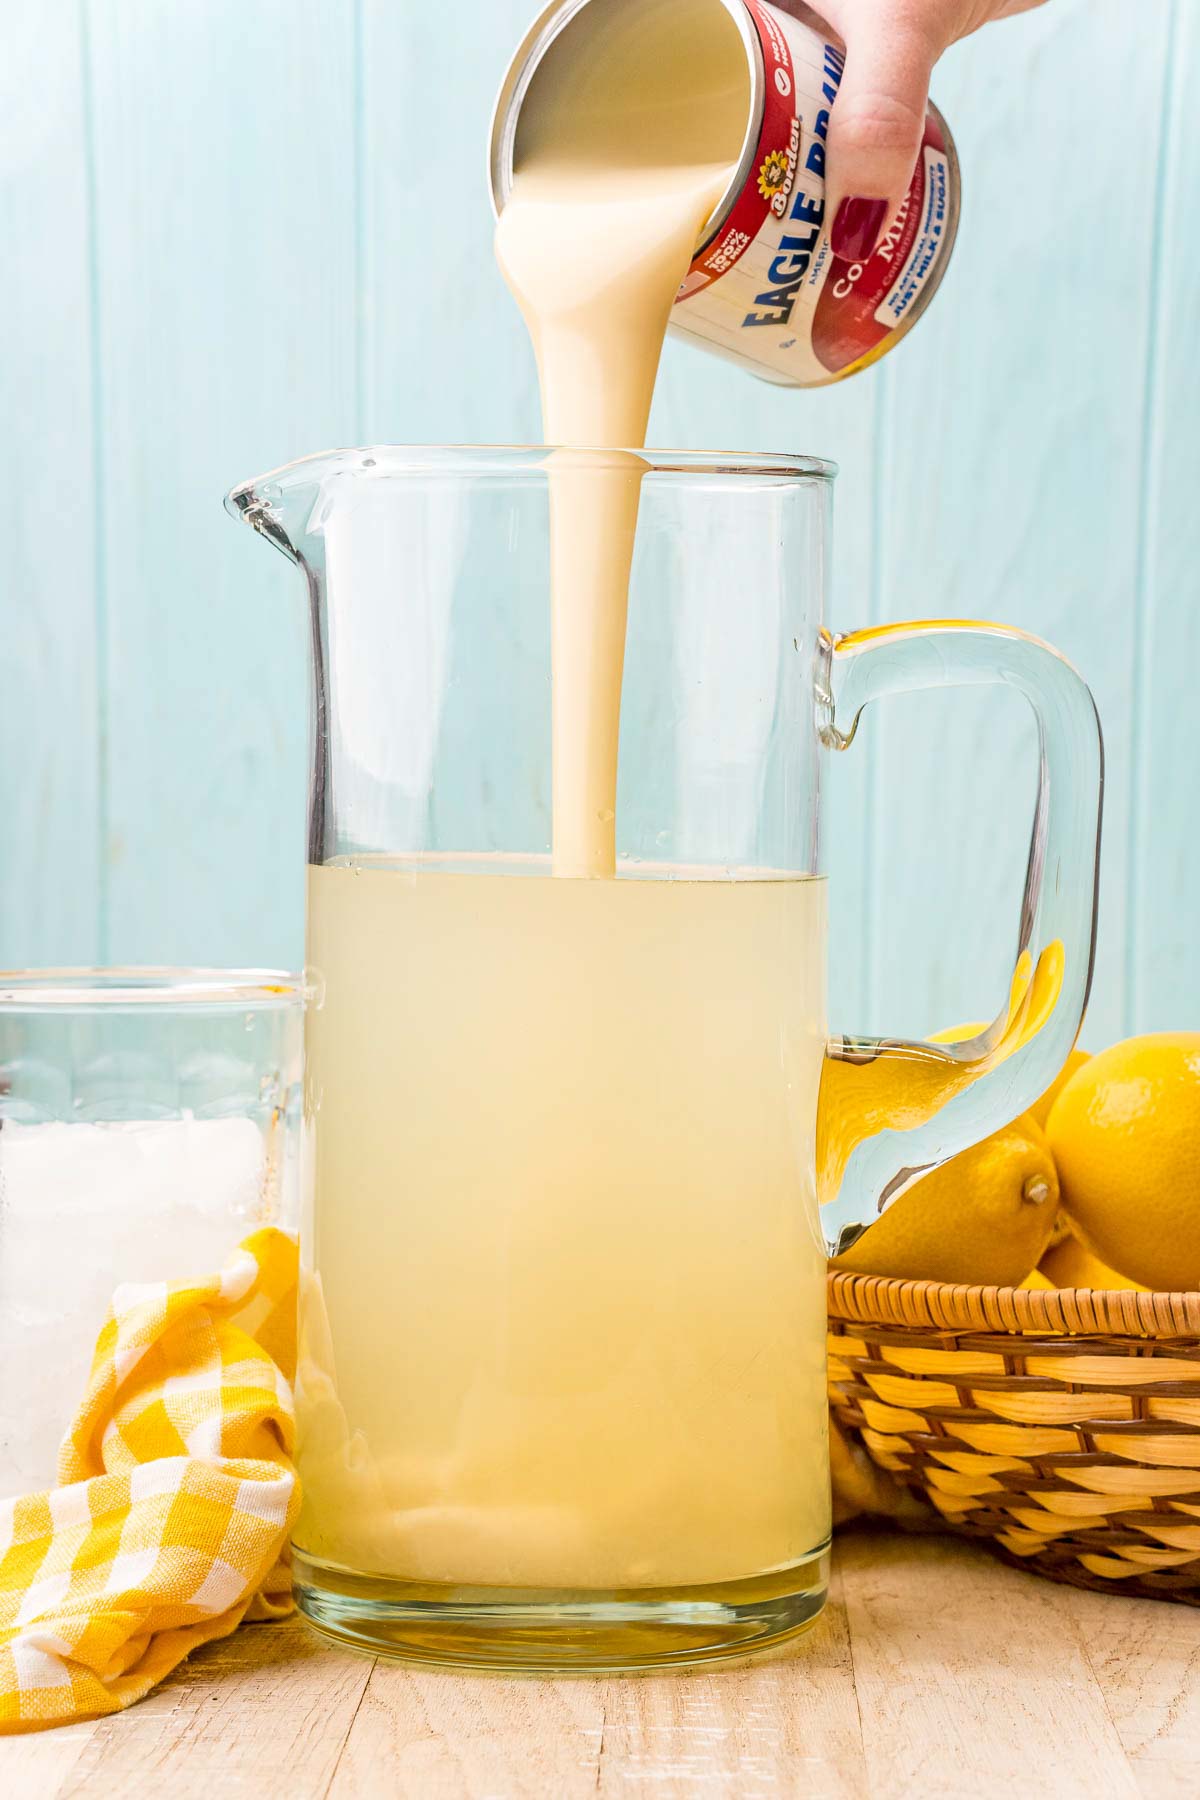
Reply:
x=49, y=716
x=784, y=1726
x=935, y=1672
x=1158, y=1781
x=264, y=1713
x=225, y=199
x=1146, y=1657
x=774, y=1727
x=435, y=1736
x=972, y=1679
x=36, y=1766
x=1164, y=849
x=1010, y=489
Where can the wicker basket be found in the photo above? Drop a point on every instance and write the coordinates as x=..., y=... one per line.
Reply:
x=1063, y=1426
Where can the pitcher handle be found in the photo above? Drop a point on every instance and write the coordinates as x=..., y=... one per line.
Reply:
x=891, y=1109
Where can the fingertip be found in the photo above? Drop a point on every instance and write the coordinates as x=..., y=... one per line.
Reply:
x=857, y=227
x=875, y=129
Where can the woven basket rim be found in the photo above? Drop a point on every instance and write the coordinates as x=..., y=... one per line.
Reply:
x=954, y=1306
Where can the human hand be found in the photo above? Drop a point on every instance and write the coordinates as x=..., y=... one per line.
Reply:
x=878, y=118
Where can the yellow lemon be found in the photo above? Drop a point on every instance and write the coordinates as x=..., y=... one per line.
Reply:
x=953, y=1033
x=1070, y=1263
x=1040, y=1109
x=886, y=1087
x=985, y=1216
x=1035, y=1279
x=1125, y=1133
x=871, y=1085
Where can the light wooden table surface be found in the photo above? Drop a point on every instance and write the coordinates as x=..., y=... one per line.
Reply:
x=934, y=1672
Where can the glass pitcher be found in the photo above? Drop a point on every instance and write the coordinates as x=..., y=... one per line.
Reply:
x=561, y=1394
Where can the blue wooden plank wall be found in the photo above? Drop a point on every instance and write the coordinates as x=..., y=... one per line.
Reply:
x=233, y=234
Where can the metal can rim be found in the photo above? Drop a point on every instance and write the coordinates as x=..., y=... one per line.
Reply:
x=514, y=85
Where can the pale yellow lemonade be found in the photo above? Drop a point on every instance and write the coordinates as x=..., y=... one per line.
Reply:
x=566, y=1327
x=562, y=1325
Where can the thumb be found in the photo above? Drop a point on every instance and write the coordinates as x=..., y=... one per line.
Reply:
x=875, y=131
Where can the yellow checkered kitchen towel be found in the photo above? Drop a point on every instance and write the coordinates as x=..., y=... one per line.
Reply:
x=176, y=1498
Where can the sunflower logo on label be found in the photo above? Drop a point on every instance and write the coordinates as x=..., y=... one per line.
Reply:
x=773, y=176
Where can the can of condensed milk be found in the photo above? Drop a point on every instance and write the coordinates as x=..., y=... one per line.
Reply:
x=764, y=288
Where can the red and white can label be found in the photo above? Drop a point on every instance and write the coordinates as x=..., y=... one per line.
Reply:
x=767, y=290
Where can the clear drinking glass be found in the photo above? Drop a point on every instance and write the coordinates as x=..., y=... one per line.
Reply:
x=561, y=1391
x=149, y=1120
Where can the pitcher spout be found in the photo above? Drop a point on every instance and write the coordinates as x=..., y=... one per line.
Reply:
x=252, y=505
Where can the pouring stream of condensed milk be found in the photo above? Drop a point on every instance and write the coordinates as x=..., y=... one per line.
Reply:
x=630, y=133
